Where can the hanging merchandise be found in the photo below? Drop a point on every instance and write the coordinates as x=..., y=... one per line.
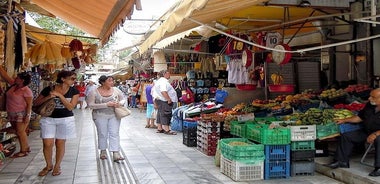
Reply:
x=65, y=52
x=76, y=45
x=2, y=46
x=9, y=52
x=19, y=55
x=247, y=58
x=281, y=57
x=159, y=63
x=76, y=63
x=46, y=52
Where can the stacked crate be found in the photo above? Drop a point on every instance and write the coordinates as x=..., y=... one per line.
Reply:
x=189, y=132
x=303, y=150
x=208, y=134
x=276, y=140
x=241, y=160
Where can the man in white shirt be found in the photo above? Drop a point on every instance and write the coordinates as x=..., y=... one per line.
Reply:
x=164, y=95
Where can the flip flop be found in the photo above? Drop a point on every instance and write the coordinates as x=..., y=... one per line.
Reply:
x=153, y=126
x=160, y=131
x=44, y=171
x=170, y=133
x=56, y=172
x=147, y=126
x=20, y=154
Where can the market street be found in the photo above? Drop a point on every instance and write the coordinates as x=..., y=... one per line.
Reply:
x=150, y=158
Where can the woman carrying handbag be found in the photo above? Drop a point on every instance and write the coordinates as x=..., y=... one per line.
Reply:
x=60, y=125
x=103, y=101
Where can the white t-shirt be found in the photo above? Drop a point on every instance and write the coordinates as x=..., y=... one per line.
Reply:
x=162, y=84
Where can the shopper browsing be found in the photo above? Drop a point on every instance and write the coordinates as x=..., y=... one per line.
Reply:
x=60, y=125
x=19, y=99
x=164, y=95
x=103, y=101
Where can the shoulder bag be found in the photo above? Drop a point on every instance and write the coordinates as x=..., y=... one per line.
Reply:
x=46, y=108
x=121, y=111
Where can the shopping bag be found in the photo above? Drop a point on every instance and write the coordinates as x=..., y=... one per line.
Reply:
x=122, y=112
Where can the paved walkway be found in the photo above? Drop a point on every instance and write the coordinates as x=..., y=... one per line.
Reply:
x=150, y=158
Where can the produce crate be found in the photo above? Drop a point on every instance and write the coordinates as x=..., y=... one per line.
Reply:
x=304, y=108
x=243, y=152
x=303, y=133
x=302, y=145
x=239, y=128
x=237, y=171
x=349, y=127
x=281, y=88
x=206, y=142
x=277, y=152
x=336, y=100
x=189, y=123
x=276, y=169
x=303, y=155
x=263, y=134
x=207, y=149
x=204, y=130
x=189, y=142
x=265, y=119
x=327, y=130
x=190, y=132
x=302, y=168
x=208, y=124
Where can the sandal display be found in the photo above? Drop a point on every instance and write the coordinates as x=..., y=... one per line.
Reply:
x=45, y=171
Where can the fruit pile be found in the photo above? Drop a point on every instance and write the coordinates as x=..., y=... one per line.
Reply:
x=351, y=107
x=332, y=93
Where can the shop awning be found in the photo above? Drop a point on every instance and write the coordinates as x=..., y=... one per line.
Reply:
x=100, y=18
x=242, y=15
x=201, y=10
x=40, y=35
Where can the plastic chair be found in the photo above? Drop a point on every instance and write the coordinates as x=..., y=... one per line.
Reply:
x=362, y=160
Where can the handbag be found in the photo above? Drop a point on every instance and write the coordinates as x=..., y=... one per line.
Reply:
x=45, y=109
x=122, y=112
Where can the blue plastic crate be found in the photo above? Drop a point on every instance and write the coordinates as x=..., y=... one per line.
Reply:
x=276, y=169
x=189, y=123
x=277, y=152
x=349, y=127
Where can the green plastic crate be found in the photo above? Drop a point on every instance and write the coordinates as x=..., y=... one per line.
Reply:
x=327, y=130
x=248, y=152
x=263, y=134
x=265, y=119
x=239, y=128
x=302, y=145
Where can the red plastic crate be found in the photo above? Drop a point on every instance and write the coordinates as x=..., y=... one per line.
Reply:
x=281, y=88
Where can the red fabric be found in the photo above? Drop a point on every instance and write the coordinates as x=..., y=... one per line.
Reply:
x=81, y=90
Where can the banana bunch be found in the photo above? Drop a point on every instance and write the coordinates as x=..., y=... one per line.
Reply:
x=277, y=78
